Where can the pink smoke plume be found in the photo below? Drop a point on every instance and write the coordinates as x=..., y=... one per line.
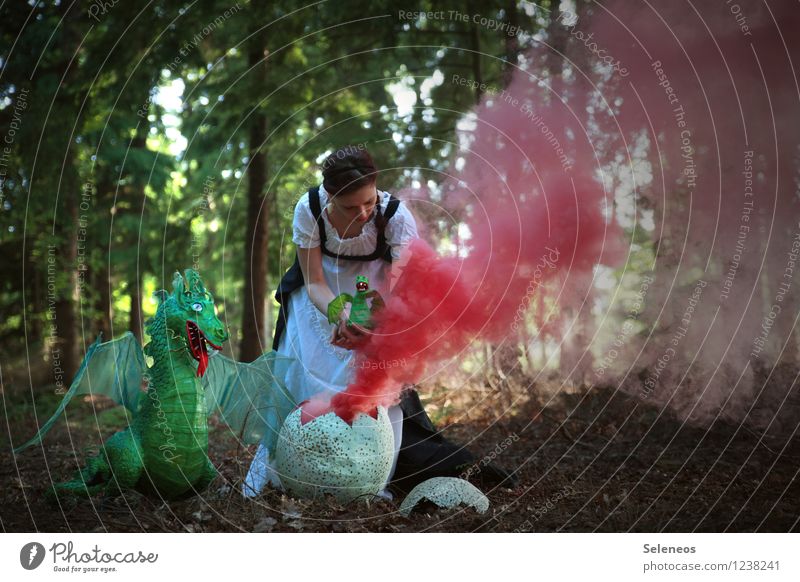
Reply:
x=529, y=220
x=663, y=127
x=713, y=92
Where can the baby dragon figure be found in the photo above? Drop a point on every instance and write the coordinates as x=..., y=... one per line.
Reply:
x=360, y=312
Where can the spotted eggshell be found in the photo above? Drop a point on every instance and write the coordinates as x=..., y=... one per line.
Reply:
x=327, y=455
x=446, y=492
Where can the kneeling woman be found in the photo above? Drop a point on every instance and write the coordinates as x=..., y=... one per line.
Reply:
x=344, y=228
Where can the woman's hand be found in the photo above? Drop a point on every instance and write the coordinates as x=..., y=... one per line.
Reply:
x=344, y=335
x=348, y=335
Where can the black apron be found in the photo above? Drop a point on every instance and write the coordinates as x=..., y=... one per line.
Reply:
x=424, y=452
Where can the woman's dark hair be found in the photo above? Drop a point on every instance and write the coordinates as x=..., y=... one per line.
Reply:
x=347, y=169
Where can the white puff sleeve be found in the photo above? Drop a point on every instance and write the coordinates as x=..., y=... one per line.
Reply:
x=401, y=230
x=305, y=231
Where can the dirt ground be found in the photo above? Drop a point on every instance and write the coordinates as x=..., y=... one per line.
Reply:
x=593, y=460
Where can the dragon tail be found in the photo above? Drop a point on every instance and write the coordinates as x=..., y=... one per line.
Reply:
x=90, y=480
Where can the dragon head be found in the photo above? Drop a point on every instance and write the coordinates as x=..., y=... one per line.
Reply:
x=194, y=315
x=362, y=283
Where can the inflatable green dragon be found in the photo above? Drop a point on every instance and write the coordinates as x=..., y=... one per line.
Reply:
x=164, y=449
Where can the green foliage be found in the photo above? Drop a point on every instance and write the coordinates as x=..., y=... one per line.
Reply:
x=96, y=175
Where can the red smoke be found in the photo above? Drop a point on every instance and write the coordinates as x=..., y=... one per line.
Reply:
x=714, y=87
x=529, y=220
x=597, y=163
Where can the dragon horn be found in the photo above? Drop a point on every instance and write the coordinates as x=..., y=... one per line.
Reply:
x=179, y=286
x=195, y=283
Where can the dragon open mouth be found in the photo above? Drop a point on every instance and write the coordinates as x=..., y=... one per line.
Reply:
x=197, y=345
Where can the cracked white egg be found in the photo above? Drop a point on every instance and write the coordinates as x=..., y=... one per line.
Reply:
x=328, y=456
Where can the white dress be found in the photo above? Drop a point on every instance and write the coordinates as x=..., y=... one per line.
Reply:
x=320, y=366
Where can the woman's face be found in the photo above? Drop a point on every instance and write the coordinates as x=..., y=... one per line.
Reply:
x=356, y=206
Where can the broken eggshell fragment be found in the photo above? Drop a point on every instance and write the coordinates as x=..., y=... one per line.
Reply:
x=446, y=492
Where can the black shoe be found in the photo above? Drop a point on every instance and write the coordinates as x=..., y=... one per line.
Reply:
x=425, y=453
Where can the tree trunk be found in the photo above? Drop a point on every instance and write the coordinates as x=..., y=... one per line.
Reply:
x=66, y=295
x=100, y=273
x=135, y=293
x=135, y=273
x=255, y=256
x=102, y=284
x=65, y=348
x=557, y=35
x=511, y=41
x=34, y=292
x=475, y=47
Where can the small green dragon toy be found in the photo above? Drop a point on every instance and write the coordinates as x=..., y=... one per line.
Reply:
x=360, y=312
x=164, y=450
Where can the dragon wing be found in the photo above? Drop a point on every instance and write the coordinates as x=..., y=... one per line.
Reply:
x=114, y=369
x=336, y=305
x=250, y=397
